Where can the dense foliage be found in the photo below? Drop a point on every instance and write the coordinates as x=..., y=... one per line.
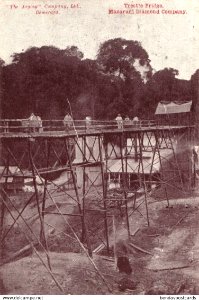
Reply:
x=120, y=80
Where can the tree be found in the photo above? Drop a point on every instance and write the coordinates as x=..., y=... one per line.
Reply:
x=195, y=87
x=1, y=62
x=163, y=81
x=120, y=80
x=41, y=80
x=119, y=56
x=74, y=51
x=129, y=65
x=164, y=86
x=195, y=98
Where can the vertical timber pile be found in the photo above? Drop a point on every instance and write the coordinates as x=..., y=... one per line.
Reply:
x=157, y=149
x=47, y=150
x=124, y=176
x=140, y=139
x=33, y=170
x=3, y=206
x=84, y=188
x=104, y=189
x=82, y=213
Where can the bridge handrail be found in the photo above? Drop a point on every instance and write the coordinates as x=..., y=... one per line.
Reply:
x=25, y=125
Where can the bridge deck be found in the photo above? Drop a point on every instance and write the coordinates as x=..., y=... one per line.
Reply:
x=89, y=132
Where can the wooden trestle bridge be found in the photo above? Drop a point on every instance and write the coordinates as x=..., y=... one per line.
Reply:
x=86, y=154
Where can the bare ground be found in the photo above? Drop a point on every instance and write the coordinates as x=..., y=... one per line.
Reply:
x=172, y=268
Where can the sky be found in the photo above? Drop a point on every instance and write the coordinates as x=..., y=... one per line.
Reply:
x=171, y=40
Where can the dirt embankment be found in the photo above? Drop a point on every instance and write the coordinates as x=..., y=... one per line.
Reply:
x=171, y=265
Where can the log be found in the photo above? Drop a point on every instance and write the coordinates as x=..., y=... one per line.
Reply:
x=153, y=235
x=107, y=258
x=171, y=268
x=25, y=251
x=134, y=233
x=99, y=248
x=183, y=217
x=140, y=249
x=180, y=288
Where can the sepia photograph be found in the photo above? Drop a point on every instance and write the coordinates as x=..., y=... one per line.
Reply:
x=99, y=148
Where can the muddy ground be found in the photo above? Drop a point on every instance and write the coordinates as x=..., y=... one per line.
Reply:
x=170, y=266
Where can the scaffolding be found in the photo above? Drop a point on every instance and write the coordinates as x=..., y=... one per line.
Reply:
x=78, y=164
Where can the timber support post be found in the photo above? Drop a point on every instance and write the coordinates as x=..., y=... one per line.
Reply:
x=104, y=189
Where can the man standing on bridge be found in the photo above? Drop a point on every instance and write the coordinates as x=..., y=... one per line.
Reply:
x=119, y=121
x=136, y=121
x=88, y=122
x=68, y=122
x=33, y=122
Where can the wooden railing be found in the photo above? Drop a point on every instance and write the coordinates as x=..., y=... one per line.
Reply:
x=29, y=126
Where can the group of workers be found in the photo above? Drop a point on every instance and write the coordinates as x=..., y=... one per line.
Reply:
x=126, y=121
x=68, y=121
x=36, y=122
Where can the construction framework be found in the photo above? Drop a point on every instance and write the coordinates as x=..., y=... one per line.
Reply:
x=147, y=156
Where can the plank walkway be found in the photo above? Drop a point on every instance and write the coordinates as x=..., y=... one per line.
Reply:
x=94, y=131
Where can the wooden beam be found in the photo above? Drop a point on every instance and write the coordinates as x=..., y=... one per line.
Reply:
x=140, y=249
